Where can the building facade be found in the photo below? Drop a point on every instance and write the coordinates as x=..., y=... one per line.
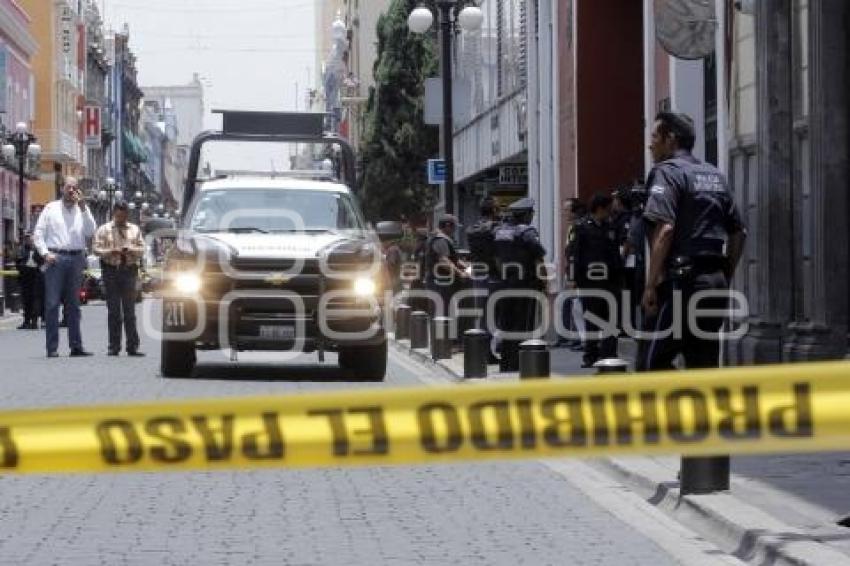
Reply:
x=790, y=164
x=181, y=111
x=59, y=67
x=361, y=21
x=96, y=143
x=17, y=97
x=503, y=138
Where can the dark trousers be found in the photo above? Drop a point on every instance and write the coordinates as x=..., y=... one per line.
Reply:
x=517, y=315
x=62, y=282
x=659, y=351
x=601, y=343
x=698, y=474
x=32, y=295
x=120, y=286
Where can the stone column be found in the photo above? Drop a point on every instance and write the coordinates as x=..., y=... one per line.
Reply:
x=771, y=239
x=826, y=301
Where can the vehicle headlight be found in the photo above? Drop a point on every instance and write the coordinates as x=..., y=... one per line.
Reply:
x=364, y=287
x=188, y=283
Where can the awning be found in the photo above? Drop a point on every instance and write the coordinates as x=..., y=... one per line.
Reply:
x=134, y=148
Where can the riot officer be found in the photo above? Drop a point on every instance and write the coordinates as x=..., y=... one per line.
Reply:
x=696, y=239
x=480, y=239
x=594, y=257
x=518, y=252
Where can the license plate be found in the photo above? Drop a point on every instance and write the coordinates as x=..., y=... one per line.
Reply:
x=277, y=332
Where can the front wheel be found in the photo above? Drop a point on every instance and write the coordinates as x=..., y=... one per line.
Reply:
x=177, y=358
x=368, y=363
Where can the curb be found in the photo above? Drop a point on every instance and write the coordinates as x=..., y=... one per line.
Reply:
x=741, y=529
x=423, y=356
x=10, y=321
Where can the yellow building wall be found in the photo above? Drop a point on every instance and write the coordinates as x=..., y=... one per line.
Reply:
x=42, y=28
x=46, y=124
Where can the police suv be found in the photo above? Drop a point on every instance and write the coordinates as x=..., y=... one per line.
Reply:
x=274, y=262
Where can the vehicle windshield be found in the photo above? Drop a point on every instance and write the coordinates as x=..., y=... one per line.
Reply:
x=274, y=210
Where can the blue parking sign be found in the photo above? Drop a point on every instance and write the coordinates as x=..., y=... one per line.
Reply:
x=436, y=171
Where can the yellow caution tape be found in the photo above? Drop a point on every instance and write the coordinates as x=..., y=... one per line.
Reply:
x=789, y=408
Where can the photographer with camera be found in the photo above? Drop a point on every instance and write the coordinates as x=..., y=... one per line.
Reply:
x=120, y=247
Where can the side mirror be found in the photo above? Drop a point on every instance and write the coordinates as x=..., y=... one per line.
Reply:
x=389, y=230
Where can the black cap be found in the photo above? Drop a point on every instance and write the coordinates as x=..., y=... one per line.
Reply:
x=447, y=219
x=522, y=205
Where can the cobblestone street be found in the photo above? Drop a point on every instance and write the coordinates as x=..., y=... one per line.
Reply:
x=503, y=513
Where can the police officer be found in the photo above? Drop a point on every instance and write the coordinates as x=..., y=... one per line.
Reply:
x=518, y=252
x=417, y=283
x=480, y=237
x=594, y=256
x=697, y=237
x=31, y=281
x=443, y=269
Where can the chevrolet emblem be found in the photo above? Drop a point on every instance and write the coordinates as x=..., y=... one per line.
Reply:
x=277, y=279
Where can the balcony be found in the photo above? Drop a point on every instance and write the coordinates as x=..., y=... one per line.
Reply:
x=59, y=146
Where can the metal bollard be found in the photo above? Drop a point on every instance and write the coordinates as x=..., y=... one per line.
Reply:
x=419, y=330
x=611, y=366
x=704, y=475
x=534, y=359
x=402, y=322
x=476, y=349
x=441, y=344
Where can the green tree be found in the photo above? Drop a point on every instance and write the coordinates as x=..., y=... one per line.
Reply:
x=397, y=143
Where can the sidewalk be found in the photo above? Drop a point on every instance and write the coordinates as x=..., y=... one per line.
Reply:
x=10, y=321
x=780, y=510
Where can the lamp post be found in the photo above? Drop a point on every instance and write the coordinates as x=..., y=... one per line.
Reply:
x=139, y=205
x=110, y=194
x=419, y=21
x=21, y=145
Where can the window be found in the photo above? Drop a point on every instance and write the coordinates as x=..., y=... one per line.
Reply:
x=299, y=209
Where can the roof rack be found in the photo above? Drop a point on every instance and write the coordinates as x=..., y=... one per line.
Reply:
x=270, y=127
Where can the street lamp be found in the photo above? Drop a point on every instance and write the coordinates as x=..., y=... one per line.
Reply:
x=420, y=21
x=21, y=145
x=110, y=194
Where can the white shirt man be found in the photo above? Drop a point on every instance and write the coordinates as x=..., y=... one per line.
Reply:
x=60, y=236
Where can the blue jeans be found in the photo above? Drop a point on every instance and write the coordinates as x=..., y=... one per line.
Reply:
x=62, y=282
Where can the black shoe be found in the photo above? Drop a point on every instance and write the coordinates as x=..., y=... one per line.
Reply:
x=112, y=353
x=52, y=354
x=80, y=353
x=135, y=354
x=24, y=326
x=586, y=364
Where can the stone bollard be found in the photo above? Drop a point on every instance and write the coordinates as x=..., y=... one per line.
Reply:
x=402, y=322
x=441, y=344
x=476, y=350
x=534, y=360
x=419, y=330
x=611, y=366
